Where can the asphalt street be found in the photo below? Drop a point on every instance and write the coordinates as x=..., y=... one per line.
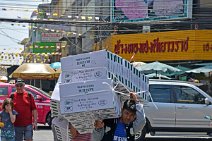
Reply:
x=180, y=136
x=44, y=133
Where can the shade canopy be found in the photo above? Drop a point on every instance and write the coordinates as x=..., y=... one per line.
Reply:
x=138, y=64
x=182, y=71
x=203, y=64
x=34, y=71
x=157, y=66
x=160, y=76
x=55, y=65
x=3, y=79
x=205, y=69
x=57, y=73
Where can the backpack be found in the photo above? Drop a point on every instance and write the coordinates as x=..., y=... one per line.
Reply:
x=29, y=96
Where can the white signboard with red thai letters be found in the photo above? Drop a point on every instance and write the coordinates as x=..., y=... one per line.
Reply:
x=50, y=37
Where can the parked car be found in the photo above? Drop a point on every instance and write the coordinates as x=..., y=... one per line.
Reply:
x=177, y=107
x=42, y=100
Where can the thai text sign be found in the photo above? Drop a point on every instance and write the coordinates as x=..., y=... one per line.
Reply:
x=163, y=46
x=50, y=37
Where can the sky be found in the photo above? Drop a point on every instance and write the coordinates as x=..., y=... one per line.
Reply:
x=11, y=34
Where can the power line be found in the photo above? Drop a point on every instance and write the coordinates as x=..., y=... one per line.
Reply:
x=11, y=38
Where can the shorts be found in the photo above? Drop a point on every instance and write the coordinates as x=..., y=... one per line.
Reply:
x=4, y=139
x=25, y=131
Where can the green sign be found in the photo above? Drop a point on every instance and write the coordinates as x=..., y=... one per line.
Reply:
x=45, y=47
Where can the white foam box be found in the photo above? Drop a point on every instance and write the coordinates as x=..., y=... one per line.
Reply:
x=97, y=114
x=85, y=60
x=88, y=118
x=86, y=74
x=85, y=87
x=89, y=102
x=55, y=108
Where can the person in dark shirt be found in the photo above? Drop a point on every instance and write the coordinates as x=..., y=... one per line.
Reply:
x=132, y=120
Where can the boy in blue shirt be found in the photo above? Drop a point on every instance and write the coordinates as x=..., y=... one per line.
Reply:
x=124, y=128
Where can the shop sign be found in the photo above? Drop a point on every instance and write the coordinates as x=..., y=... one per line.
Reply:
x=152, y=46
x=45, y=47
x=162, y=46
x=50, y=37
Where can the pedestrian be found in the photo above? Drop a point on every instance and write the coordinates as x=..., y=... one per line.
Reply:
x=60, y=124
x=8, y=117
x=26, y=119
x=132, y=121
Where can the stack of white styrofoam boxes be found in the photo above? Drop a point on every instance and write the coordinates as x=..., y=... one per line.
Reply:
x=55, y=100
x=117, y=68
x=86, y=88
x=86, y=91
x=83, y=102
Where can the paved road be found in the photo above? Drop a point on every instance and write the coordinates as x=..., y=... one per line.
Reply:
x=44, y=133
x=164, y=136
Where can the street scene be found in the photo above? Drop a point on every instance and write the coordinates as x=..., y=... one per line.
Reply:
x=105, y=70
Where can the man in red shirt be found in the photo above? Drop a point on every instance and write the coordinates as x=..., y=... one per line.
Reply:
x=26, y=119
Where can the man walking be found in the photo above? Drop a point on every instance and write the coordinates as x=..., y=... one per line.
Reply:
x=26, y=119
x=124, y=128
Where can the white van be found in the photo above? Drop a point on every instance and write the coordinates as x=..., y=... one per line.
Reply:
x=177, y=107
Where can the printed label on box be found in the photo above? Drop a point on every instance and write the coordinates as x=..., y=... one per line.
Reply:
x=86, y=74
x=85, y=60
x=90, y=102
x=85, y=87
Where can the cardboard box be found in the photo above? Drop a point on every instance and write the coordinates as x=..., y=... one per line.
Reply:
x=85, y=87
x=85, y=60
x=86, y=74
x=89, y=102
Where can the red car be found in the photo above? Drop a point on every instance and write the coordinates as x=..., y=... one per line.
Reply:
x=42, y=100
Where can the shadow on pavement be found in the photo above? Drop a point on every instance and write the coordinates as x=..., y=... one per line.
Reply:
x=44, y=127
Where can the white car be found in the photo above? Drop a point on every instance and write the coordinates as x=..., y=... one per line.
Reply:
x=177, y=106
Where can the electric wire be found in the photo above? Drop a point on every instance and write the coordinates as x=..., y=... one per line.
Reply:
x=122, y=24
